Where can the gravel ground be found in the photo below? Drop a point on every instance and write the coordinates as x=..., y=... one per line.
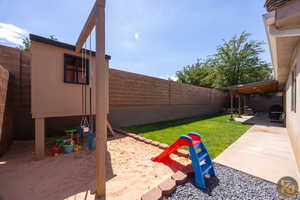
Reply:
x=229, y=184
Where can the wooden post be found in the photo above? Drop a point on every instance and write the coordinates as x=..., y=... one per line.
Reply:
x=39, y=138
x=239, y=97
x=101, y=99
x=244, y=110
x=231, y=106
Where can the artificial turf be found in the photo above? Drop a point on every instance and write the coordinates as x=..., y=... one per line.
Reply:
x=217, y=131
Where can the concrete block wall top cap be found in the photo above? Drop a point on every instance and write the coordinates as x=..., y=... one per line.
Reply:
x=154, y=194
x=167, y=187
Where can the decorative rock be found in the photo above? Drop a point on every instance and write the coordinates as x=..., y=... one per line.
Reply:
x=154, y=194
x=163, y=146
x=183, y=153
x=155, y=143
x=167, y=187
x=180, y=177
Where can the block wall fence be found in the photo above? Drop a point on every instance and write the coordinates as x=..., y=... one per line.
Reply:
x=5, y=120
x=133, y=98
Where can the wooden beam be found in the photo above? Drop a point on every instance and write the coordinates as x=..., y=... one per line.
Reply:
x=87, y=29
x=110, y=128
x=40, y=138
x=101, y=99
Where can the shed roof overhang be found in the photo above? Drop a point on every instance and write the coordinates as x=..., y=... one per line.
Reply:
x=283, y=31
x=255, y=88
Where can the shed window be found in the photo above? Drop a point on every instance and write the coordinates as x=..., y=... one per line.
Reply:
x=76, y=70
x=294, y=92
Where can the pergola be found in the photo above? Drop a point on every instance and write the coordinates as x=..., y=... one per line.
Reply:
x=244, y=90
x=97, y=19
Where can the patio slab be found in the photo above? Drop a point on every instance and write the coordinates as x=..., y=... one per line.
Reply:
x=263, y=151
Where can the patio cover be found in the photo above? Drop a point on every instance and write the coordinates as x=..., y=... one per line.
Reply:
x=255, y=88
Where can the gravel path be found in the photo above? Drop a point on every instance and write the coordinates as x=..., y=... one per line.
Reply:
x=231, y=184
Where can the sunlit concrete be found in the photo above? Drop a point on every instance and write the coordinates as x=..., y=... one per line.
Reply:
x=263, y=151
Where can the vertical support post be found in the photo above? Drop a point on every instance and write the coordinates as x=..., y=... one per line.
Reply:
x=101, y=99
x=244, y=98
x=231, y=105
x=239, y=97
x=39, y=138
x=284, y=106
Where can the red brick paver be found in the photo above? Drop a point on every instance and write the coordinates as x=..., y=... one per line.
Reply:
x=163, y=146
x=154, y=194
x=180, y=177
x=167, y=187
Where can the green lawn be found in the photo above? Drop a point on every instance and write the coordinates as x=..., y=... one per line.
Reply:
x=216, y=130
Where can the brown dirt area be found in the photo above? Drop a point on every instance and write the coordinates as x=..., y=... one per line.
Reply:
x=130, y=172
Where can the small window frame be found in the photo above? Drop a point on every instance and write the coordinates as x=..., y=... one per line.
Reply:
x=77, y=70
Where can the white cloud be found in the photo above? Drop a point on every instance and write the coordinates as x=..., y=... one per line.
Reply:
x=136, y=36
x=10, y=33
x=173, y=78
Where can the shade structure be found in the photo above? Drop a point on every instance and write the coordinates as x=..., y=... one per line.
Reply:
x=255, y=88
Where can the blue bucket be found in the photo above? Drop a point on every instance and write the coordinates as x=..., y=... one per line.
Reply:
x=68, y=148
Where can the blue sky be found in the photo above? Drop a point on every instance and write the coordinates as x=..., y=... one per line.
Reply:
x=152, y=37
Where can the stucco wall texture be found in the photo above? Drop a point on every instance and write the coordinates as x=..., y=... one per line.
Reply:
x=293, y=117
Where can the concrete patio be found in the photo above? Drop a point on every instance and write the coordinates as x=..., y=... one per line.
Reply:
x=263, y=151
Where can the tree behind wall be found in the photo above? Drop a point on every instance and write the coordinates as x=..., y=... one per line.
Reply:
x=236, y=61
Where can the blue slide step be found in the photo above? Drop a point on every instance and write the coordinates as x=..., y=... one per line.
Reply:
x=197, y=157
x=202, y=155
x=206, y=168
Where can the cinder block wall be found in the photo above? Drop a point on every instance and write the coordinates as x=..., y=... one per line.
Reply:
x=138, y=99
x=5, y=128
x=18, y=64
x=133, y=98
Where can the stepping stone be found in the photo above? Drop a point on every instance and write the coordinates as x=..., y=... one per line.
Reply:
x=167, y=187
x=180, y=177
x=154, y=194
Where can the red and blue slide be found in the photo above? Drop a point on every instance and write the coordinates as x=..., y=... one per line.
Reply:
x=198, y=154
